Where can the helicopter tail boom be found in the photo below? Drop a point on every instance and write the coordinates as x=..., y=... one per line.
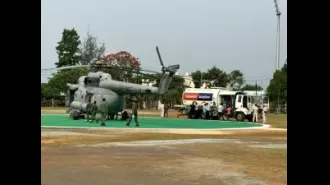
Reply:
x=128, y=88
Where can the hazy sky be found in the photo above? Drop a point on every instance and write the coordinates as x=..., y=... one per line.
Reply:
x=197, y=34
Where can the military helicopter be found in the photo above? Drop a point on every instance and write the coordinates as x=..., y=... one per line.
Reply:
x=98, y=85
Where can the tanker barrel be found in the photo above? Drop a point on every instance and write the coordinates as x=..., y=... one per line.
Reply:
x=127, y=88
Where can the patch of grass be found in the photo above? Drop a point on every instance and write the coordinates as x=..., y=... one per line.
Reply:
x=277, y=120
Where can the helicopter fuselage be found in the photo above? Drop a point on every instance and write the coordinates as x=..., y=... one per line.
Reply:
x=83, y=95
x=99, y=85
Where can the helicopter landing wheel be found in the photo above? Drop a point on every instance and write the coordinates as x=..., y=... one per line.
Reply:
x=124, y=116
x=75, y=115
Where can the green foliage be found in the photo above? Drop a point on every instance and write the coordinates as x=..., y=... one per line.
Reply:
x=197, y=78
x=278, y=85
x=43, y=88
x=68, y=48
x=91, y=50
x=218, y=78
x=249, y=87
x=236, y=79
x=58, y=83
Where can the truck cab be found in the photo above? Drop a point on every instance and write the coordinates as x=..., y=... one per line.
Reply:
x=243, y=107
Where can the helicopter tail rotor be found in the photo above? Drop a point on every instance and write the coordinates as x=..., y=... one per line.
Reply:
x=171, y=69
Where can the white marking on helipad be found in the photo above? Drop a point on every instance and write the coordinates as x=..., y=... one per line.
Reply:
x=139, y=128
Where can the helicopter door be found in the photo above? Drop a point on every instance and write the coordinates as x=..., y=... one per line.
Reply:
x=70, y=95
x=88, y=98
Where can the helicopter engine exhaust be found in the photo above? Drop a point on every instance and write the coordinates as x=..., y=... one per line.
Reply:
x=78, y=106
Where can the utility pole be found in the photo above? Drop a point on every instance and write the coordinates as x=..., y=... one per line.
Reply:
x=256, y=89
x=278, y=14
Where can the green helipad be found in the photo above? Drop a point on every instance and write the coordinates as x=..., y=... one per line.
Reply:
x=64, y=121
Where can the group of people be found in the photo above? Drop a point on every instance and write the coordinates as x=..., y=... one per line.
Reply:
x=164, y=110
x=259, y=109
x=224, y=113
x=205, y=112
x=92, y=110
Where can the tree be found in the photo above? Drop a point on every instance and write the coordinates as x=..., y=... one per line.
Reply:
x=236, y=79
x=277, y=89
x=43, y=87
x=123, y=65
x=217, y=77
x=91, y=50
x=58, y=83
x=197, y=78
x=249, y=87
x=68, y=48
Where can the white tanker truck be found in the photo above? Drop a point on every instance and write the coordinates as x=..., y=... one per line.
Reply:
x=240, y=101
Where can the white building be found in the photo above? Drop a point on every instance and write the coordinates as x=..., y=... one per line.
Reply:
x=188, y=81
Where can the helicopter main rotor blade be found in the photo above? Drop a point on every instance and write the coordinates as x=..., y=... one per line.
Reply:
x=148, y=70
x=67, y=67
x=159, y=57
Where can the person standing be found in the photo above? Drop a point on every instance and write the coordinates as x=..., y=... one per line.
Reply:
x=94, y=110
x=255, y=113
x=134, y=113
x=103, y=111
x=88, y=111
x=197, y=113
x=264, y=114
x=161, y=107
x=220, y=111
x=228, y=112
x=166, y=107
x=207, y=111
x=192, y=110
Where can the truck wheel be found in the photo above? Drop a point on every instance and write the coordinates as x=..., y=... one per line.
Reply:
x=240, y=116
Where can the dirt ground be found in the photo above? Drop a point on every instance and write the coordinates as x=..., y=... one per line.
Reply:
x=125, y=156
x=164, y=157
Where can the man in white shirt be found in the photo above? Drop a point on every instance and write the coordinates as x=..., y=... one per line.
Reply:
x=255, y=113
x=220, y=111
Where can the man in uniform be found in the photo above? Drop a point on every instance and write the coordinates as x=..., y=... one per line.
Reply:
x=103, y=111
x=255, y=113
x=166, y=107
x=134, y=113
x=264, y=114
x=88, y=111
x=94, y=111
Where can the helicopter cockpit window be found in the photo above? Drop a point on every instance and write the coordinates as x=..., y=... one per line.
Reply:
x=92, y=81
